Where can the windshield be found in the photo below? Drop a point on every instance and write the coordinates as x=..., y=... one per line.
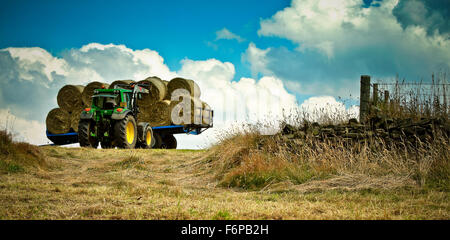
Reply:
x=107, y=102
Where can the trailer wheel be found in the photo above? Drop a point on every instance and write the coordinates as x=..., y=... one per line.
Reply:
x=125, y=132
x=148, y=140
x=85, y=127
x=170, y=141
x=157, y=142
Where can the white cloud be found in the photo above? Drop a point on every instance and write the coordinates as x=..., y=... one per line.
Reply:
x=246, y=98
x=258, y=60
x=22, y=129
x=31, y=59
x=332, y=26
x=327, y=108
x=224, y=33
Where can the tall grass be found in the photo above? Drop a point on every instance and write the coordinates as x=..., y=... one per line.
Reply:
x=17, y=156
x=251, y=160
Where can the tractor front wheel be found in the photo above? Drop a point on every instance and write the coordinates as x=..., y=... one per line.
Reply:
x=148, y=139
x=85, y=128
x=125, y=132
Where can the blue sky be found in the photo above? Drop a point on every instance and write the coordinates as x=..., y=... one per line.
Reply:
x=299, y=52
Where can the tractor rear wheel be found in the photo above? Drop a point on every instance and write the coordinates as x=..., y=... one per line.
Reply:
x=85, y=128
x=125, y=132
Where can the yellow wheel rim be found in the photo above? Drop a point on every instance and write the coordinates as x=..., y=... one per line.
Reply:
x=130, y=132
x=148, y=138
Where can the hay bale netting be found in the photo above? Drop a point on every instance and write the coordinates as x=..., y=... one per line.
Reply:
x=69, y=97
x=157, y=91
x=58, y=121
x=181, y=83
x=195, y=111
x=89, y=91
x=127, y=82
x=206, y=114
x=75, y=119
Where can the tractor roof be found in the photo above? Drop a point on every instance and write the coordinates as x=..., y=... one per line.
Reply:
x=111, y=90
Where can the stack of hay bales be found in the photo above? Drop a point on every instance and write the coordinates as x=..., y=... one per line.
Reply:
x=62, y=120
x=72, y=99
x=155, y=107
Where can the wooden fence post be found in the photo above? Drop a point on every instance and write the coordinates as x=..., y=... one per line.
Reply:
x=364, y=102
x=386, y=97
x=375, y=94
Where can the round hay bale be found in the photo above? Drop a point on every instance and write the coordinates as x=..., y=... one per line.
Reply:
x=157, y=90
x=206, y=114
x=58, y=121
x=177, y=111
x=167, y=97
x=89, y=91
x=75, y=119
x=182, y=83
x=144, y=113
x=160, y=114
x=127, y=82
x=69, y=97
x=157, y=114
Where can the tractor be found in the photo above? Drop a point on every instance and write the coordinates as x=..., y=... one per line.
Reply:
x=111, y=120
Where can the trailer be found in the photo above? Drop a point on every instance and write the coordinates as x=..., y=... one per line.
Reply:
x=163, y=135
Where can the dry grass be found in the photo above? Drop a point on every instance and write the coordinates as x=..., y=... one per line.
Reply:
x=173, y=184
x=15, y=156
x=253, y=161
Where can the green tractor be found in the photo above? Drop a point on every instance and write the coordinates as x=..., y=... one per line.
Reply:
x=111, y=120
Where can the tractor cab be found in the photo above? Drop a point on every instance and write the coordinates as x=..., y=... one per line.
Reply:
x=111, y=99
x=106, y=101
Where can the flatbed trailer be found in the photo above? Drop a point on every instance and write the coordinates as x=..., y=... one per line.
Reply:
x=162, y=131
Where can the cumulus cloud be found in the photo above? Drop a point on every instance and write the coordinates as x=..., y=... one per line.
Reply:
x=337, y=41
x=247, y=98
x=224, y=33
x=258, y=60
x=327, y=108
x=23, y=130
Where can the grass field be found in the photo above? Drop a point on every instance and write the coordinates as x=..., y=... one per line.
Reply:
x=78, y=183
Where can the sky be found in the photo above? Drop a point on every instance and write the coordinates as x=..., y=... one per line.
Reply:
x=251, y=58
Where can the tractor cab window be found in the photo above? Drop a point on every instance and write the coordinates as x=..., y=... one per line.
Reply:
x=128, y=99
x=107, y=102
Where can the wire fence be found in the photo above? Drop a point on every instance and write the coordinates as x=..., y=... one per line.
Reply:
x=413, y=99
